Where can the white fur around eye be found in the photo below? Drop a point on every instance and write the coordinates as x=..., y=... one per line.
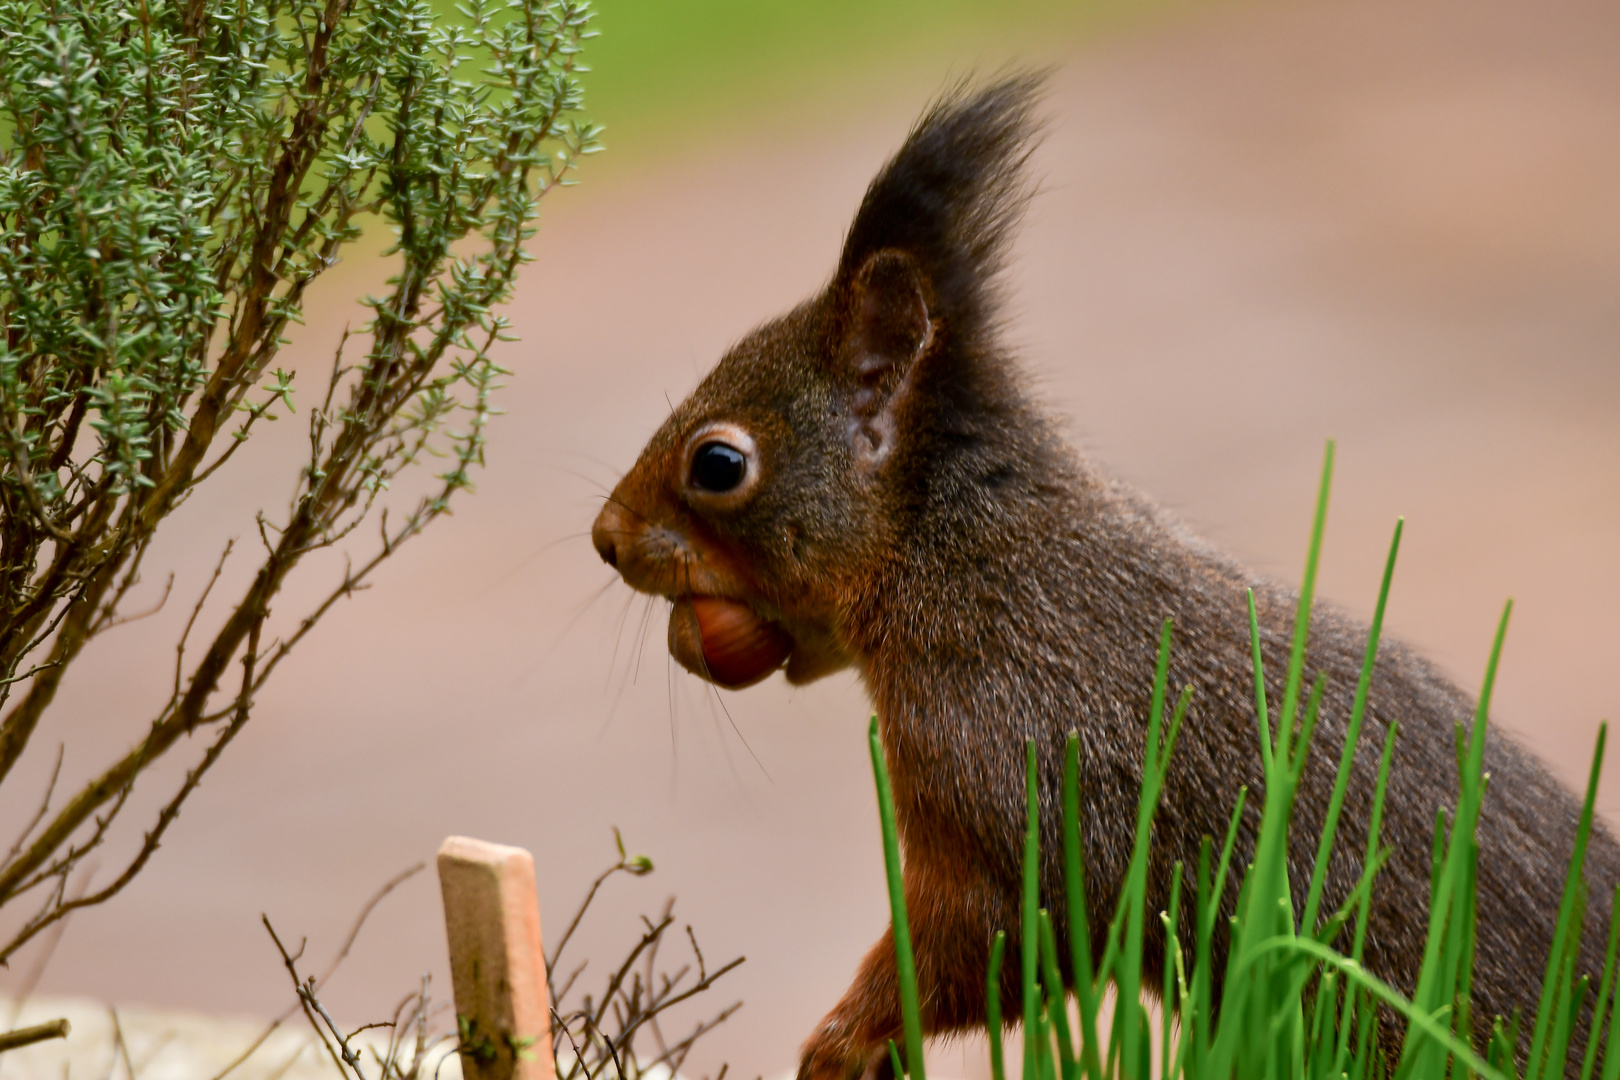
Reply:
x=736, y=437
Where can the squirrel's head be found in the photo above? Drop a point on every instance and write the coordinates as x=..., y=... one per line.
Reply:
x=774, y=498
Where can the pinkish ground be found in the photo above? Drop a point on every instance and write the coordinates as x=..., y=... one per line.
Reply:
x=1397, y=224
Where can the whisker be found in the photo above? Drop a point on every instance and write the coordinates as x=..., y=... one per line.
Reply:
x=624, y=683
x=591, y=480
x=674, y=749
x=573, y=621
x=618, y=637
x=715, y=690
x=709, y=698
x=524, y=562
x=591, y=458
x=641, y=642
x=622, y=505
x=718, y=700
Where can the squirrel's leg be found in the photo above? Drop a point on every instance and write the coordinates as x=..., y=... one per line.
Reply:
x=953, y=919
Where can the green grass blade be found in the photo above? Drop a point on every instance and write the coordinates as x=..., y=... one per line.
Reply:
x=1437, y=854
x=1595, y=1036
x=1321, y=1040
x=1568, y=920
x=1134, y=898
x=1501, y=1048
x=1366, y=1033
x=1375, y=824
x=1267, y=751
x=1116, y=1044
x=894, y=1061
x=1353, y=903
x=1167, y=998
x=1161, y=680
x=1313, y=708
x=1196, y=1013
x=1465, y=988
x=905, y=963
x=1170, y=738
x=1353, y=972
x=992, y=1007
x=1350, y=1015
x=1057, y=1006
x=1030, y=925
x=1184, y=1008
x=1074, y=869
x=1611, y=1059
x=1566, y=994
x=1558, y=1048
x=1453, y=951
x=1043, y=1048
x=1247, y=1041
x=1435, y=987
x=1144, y=1043
x=1226, y=851
x=1352, y=734
x=1105, y=966
x=1219, y=891
x=1302, y=615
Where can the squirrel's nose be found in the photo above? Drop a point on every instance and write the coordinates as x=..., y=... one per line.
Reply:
x=606, y=532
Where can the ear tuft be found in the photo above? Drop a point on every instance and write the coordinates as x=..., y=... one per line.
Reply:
x=950, y=199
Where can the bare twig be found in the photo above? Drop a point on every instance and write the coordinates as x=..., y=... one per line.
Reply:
x=44, y=807
x=601, y=1032
x=597, y=1040
x=290, y=962
x=196, y=609
x=52, y=1029
x=350, y=1057
x=331, y=968
x=636, y=865
x=29, y=674
x=37, y=972
x=360, y=920
x=120, y=1045
x=149, y=843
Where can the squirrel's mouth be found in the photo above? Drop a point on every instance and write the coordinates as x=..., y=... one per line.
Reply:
x=726, y=641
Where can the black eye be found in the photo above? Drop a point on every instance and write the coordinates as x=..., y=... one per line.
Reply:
x=718, y=467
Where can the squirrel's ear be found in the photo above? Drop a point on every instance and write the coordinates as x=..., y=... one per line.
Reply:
x=890, y=329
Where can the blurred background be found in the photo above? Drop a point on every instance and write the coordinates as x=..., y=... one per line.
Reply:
x=1262, y=223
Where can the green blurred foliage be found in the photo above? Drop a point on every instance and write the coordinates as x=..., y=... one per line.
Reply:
x=666, y=71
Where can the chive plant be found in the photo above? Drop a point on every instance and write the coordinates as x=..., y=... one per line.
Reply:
x=1293, y=1006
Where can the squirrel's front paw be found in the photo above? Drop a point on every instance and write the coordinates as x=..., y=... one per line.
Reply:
x=833, y=1054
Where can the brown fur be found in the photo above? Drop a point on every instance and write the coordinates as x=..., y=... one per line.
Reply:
x=915, y=514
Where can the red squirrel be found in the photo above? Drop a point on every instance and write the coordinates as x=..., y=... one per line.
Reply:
x=866, y=481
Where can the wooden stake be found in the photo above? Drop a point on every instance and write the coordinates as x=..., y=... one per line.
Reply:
x=492, y=919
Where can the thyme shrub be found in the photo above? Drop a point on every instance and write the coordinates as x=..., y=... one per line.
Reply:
x=174, y=177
